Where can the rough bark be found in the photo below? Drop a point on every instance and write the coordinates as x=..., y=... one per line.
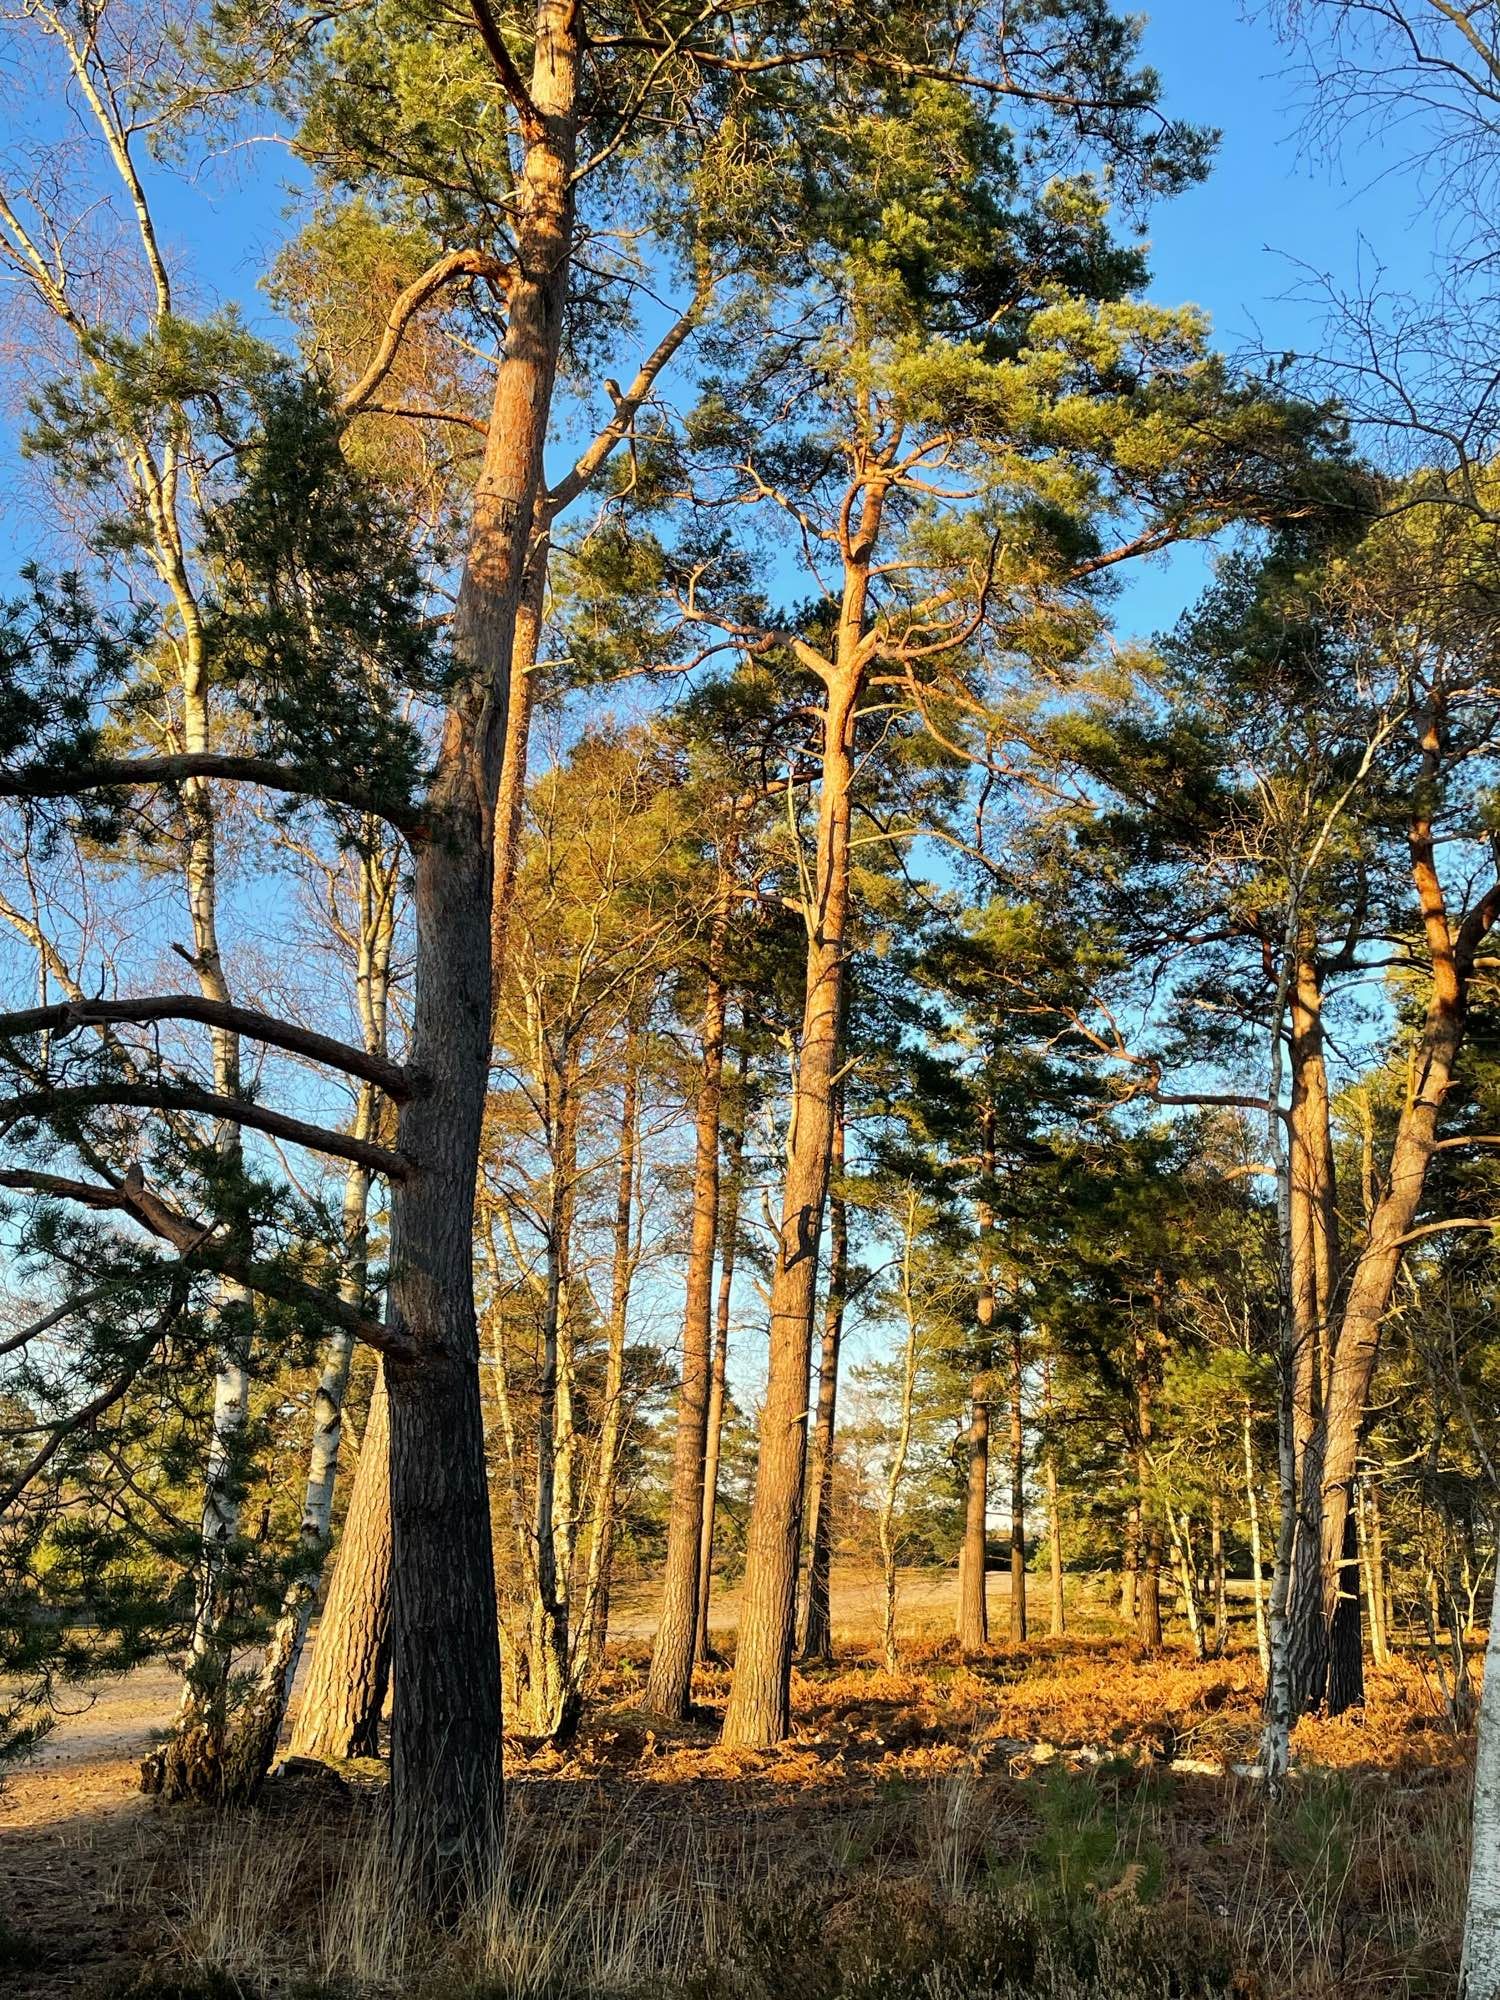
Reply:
x=817, y=1626
x=446, y=1733
x=1320, y=1581
x=759, y=1711
x=670, y=1679
x=339, y=1714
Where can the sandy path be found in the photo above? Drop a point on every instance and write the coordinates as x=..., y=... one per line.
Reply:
x=89, y=1764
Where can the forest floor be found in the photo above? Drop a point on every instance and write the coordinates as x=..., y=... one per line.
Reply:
x=1061, y=1818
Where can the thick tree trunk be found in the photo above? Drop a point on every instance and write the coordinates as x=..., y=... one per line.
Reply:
x=446, y=1732
x=1017, y=1491
x=339, y=1714
x=252, y=1747
x=729, y=1229
x=669, y=1682
x=817, y=1628
x=759, y=1712
x=1321, y=1657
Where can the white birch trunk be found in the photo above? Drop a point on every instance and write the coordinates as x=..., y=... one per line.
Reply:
x=1479, y=1970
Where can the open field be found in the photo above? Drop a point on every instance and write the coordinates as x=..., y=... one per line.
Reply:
x=1079, y=1791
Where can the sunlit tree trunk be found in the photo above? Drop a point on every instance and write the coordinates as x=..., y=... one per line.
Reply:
x=973, y=1626
x=552, y=1707
x=1130, y=1562
x=901, y=1448
x=759, y=1711
x=339, y=1713
x=446, y=1730
x=1479, y=1971
x=1257, y=1559
x=670, y=1679
x=612, y=1416
x=1320, y=1669
x=1059, y=1621
x=817, y=1628
x=1017, y=1490
x=729, y=1227
x=258, y=1728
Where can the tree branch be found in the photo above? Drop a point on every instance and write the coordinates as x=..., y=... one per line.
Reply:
x=532, y=123
x=70, y=1014
x=446, y=271
x=233, y=1110
x=198, y=1251
x=42, y=781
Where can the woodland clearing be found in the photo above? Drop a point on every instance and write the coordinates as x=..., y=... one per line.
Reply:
x=1087, y=1781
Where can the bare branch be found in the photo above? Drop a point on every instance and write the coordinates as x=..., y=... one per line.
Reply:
x=447, y=270
x=67, y=1015
x=211, y=1104
x=42, y=781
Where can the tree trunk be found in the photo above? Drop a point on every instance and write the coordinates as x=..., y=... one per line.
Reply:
x=1148, y=1577
x=1059, y=1622
x=190, y=1764
x=1257, y=1576
x=670, y=1679
x=896, y=1470
x=1017, y=1492
x=759, y=1711
x=1181, y=1533
x=547, y=1677
x=446, y=1732
x=1216, y=1565
x=817, y=1630
x=612, y=1417
x=252, y=1747
x=1319, y=1581
x=1479, y=1969
x=729, y=1227
x=1148, y=1592
x=973, y=1565
x=339, y=1714
x=1130, y=1563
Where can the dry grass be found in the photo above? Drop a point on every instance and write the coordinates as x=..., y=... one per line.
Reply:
x=1058, y=1820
